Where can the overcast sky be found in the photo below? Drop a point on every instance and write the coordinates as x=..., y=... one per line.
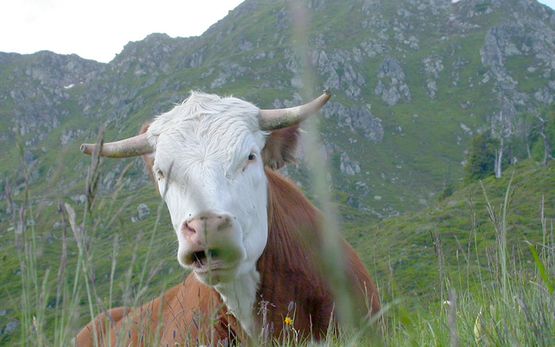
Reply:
x=98, y=29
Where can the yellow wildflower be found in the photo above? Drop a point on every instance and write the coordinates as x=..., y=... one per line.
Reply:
x=288, y=321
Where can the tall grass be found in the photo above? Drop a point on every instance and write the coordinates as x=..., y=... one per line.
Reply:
x=57, y=299
x=512, y=305
x=333, y=262
x=509, y=300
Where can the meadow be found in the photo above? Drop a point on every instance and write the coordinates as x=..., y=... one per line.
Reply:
x=476, y=269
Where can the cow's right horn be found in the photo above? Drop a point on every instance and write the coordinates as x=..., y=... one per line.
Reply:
x=131, y=147
x=285, y=117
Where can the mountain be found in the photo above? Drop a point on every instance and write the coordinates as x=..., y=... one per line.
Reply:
x=413, y=82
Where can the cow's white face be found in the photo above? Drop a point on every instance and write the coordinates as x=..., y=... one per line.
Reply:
x=209, y=170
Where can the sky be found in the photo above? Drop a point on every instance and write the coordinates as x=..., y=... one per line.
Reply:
x=550, y=3
x=98, y=29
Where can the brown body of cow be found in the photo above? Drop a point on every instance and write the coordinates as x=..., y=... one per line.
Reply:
x=292, y=284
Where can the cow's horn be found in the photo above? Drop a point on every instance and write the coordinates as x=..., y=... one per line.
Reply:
x=131, y=147
x=286, y=117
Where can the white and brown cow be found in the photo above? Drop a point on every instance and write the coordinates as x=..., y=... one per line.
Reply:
x=249, y=235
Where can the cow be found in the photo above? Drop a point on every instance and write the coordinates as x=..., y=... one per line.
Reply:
x=249, y=236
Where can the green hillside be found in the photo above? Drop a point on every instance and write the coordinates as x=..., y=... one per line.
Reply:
x=405, y=248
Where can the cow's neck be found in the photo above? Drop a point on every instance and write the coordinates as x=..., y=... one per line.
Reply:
x=239, y=296
x=290, y=282
x=283, y=274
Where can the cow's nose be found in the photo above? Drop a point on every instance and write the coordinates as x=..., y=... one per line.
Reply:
x=199, y=228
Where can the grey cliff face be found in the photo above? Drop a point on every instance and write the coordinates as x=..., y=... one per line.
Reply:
x=392, y=87
x=356, y=119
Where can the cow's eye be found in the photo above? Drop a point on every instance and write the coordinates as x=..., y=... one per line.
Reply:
x=250, y=159
x=159, y=174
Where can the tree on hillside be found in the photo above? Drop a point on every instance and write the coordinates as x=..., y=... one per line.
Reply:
x=481, y=156
x=497, y=163
x=502, y=131
x=545, y=138
x=526, y=126
x=542, y=136
x=547, y=135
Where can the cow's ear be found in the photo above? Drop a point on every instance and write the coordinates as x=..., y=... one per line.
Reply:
x=148, y=158
x=280, y=147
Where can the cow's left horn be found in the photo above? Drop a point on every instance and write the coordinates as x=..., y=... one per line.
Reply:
x=286, y=117
x=131, y=147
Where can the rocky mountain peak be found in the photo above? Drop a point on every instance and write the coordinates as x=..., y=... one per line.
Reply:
x=412, y=80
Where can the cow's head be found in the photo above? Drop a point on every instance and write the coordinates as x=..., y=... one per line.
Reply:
x=208, y=156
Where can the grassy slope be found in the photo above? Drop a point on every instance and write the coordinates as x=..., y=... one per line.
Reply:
x=399, y=252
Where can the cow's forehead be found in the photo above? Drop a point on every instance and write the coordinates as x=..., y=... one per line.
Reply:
x=204, y=112
x=206, y=125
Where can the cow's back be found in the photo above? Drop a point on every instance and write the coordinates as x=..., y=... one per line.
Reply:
x=189, y=313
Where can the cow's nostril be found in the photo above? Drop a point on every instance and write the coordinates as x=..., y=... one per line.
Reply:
x=205, y=224
x=189, y=229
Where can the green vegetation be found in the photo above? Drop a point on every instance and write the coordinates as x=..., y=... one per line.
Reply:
x=481, y=157
x=536, y=141
x=542, y=136
x=477, y=267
